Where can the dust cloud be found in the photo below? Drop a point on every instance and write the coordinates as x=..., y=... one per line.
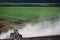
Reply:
x=41, y=28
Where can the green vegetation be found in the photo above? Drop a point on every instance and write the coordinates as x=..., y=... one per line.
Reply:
x=15, y=13
x=28, y=12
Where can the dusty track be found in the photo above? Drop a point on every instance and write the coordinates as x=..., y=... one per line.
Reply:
x=56, y=37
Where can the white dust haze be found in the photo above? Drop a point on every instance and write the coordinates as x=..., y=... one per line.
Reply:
x=41, y=28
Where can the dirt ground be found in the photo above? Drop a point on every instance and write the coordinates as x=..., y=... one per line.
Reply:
x=5, y=25
x=56, y=37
